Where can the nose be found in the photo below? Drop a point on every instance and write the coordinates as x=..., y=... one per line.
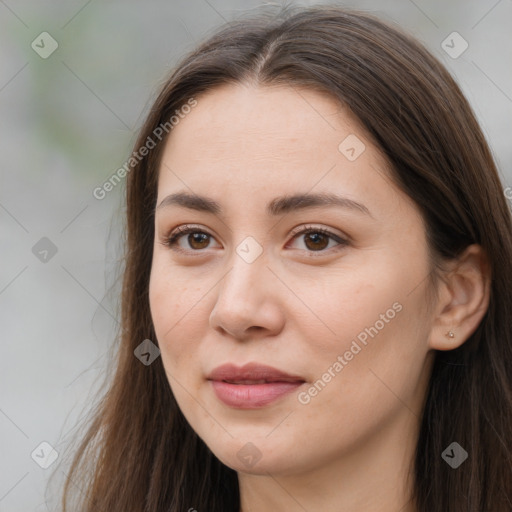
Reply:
x=248, y=304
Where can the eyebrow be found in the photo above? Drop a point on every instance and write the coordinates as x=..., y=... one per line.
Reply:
x=277, y=206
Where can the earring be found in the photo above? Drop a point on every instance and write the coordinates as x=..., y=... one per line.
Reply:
x=450, y=334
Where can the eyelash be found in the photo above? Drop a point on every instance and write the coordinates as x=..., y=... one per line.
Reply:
x=171, y=240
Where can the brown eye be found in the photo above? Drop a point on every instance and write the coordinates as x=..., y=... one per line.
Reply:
x=315, y=240
x=195, y=241
x=318, y=239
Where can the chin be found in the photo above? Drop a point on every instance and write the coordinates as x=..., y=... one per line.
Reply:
x=258, y=456
x=250, y=464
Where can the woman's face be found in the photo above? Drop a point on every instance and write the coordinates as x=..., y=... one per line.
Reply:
x=340, y=311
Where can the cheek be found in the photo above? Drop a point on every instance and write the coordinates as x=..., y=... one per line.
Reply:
x=179, y=302
x=349, y=302
x=382, y=348
x=167, y=300
x=373, y=321
x=175, y=322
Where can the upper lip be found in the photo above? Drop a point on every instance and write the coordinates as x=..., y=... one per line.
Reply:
x=251, y=372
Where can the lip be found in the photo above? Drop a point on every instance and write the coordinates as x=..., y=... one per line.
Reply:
x=251, y=386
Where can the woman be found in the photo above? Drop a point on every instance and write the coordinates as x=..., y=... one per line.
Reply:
x=317, y=300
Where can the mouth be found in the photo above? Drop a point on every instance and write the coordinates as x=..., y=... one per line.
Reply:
x=251, y=373
x=251, y=386
x=249, y=382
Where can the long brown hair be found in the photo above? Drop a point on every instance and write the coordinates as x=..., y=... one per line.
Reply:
x=139, y=452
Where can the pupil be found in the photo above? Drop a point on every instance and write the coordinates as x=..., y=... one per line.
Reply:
x=196, y=238
x=316, y=237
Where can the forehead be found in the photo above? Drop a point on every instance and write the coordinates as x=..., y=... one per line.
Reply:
x=265, y=119
x=245, y=142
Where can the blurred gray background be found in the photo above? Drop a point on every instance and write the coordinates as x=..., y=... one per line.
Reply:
x=68, y=118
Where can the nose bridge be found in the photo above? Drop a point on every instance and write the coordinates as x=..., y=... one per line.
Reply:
x=244, y=298
x=246, y=276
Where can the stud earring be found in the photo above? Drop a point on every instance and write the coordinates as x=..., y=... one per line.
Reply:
x=450, y=334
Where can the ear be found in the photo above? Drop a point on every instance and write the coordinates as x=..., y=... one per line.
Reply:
x=463, y=299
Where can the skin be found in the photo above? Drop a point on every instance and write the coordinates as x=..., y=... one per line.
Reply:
x=297, y=308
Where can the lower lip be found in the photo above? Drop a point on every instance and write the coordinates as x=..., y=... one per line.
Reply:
x=252, y=396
